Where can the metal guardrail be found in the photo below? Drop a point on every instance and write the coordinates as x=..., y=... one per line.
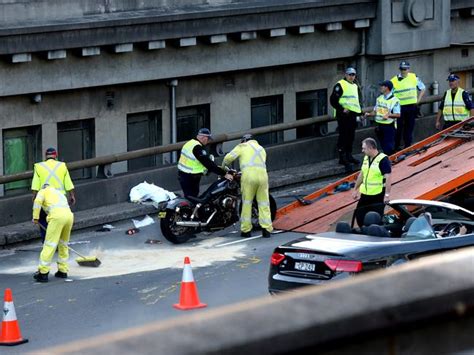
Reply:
x=219, y=138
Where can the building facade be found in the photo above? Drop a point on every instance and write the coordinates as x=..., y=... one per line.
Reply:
x=94, y=78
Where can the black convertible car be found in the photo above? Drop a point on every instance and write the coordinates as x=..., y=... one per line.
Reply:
x=409, y=230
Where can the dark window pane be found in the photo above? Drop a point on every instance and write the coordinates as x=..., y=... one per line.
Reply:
x=190, y=119
x=144, y=130
x=311, y=104
x=76, y=141
x=21, y=149
x=267, y=111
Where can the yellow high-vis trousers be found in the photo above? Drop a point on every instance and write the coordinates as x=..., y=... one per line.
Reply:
x=254, y=183
x=57, y=236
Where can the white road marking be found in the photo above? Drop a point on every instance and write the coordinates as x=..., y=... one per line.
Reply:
x=238, y=241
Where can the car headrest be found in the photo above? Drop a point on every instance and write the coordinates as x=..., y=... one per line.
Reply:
x=377, y=231
x=372, y=217
x=343, y=227
x=408, y=224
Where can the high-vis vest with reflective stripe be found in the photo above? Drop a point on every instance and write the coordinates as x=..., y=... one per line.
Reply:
x=385, y=106
x=372, y=183
x=455, y=110
x=406, y=90
x=188, y=163
x=54, y=173
x=52, y=201
x=350, y=96
x=252, y=156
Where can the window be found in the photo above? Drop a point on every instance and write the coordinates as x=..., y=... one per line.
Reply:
x=21, y=149
x=76, y=141
x=267, y=111
x=144, y=130
x=311, y=104
x=190, y=119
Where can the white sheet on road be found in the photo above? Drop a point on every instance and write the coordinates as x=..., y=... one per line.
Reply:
x=150, y=192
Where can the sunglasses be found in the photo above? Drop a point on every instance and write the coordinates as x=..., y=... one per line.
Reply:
x=351, y=74
x=403, y=69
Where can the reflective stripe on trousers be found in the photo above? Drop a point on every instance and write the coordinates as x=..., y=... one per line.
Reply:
x=254, y=183
x=58, y=232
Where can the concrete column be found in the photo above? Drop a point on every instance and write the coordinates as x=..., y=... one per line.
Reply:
x=111, y=136
x=289, y=114
x=166, y=131
x=49, y=137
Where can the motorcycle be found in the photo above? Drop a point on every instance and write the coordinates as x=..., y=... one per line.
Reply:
x=217, y=208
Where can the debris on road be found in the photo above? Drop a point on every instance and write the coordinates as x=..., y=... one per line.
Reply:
x=153, y=241
x=132, y=231
x=143, y=223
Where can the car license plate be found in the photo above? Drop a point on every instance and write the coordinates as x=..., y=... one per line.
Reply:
x=162, y=214
x=305, y=266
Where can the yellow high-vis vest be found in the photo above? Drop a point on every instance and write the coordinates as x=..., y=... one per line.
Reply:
x=188, y=163
x=406, y=90
x=350, y=96
x=455, y=110
x=54, y=173
x=372, y=183
x=385, y=106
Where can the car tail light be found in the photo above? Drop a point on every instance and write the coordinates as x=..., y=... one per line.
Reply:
x=344, y=265
x=277, y=258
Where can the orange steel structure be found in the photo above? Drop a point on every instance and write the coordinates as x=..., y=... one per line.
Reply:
x=431, y=169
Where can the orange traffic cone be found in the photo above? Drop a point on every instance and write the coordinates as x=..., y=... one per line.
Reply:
x=188, y=298
x=11, y=334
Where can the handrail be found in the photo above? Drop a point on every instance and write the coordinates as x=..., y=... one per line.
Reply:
x=219, y=138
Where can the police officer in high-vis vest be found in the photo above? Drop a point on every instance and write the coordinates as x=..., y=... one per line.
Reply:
x=386, y=112
x=194, y=162
x=455, y=106
x=346, y=101
x=254, y=184
x=374, y=181
x=409, y=89
x=60, y=220
x=55, y=174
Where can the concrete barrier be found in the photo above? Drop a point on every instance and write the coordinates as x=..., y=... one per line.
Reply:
x=423, y=307
x=101, y=192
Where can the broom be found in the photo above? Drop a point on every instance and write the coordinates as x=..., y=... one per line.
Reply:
x=90, y=261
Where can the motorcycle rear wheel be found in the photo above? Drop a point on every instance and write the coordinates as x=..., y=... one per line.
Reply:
x=173, y=233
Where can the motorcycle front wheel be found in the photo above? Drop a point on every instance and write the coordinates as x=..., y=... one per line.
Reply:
x=173, y=233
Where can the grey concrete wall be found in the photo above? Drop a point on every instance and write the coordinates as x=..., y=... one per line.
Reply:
x=102, y=192
x=399, y=33
x=230, y=104
x=74, y=72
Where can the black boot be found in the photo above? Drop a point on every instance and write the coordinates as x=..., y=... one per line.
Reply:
x=39, y=277
x=351, y=159
x=265, y=233
x=245, y=234
x=342, y=157
x=61, y=275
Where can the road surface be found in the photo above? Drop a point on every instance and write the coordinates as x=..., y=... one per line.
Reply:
x=137, y=282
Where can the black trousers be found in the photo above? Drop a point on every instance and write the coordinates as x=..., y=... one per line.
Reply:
x=347, y=124
x=448, y=124
x=369, y=203
x=386, y=135
x=189, y=183
x=405, y=125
